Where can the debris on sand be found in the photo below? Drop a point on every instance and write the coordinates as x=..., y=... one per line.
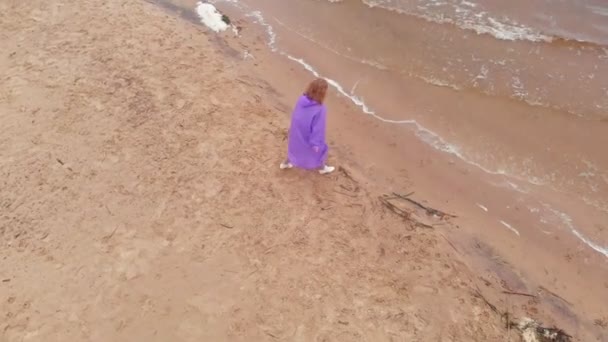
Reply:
x=533, y=331
x=530, y=330
x=211, y=17
x=226, y=19
x=424, y=221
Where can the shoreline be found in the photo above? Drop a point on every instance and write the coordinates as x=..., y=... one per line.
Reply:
x=542, y=146
x=507, y=244
x=142, y=190
x=438, y=143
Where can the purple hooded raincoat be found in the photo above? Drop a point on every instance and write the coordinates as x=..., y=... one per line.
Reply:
x=308, y=122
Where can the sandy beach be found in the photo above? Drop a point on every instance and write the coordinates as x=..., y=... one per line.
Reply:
x=141, y=200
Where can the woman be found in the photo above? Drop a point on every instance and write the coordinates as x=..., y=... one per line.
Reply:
x=307, y=148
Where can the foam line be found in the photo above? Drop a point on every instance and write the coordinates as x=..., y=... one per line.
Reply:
x=510, y=227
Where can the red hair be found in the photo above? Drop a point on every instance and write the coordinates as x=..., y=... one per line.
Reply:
x=317, y=90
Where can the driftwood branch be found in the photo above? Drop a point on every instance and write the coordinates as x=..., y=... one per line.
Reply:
x=493, y=307
x=555, y=295
x=519, y=294
x=451, y=244
x=354, y=183
x=429, y=211
x=406, y=215
x=345, y=194
x=393, y=208
x=347, y=174
x=526, y=325
x=109, y=236
x=386, y=200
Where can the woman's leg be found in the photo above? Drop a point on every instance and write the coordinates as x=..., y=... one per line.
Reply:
x=325, y=169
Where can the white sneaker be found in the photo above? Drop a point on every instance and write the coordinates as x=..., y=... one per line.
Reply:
x=287, y=165
x=327, y=169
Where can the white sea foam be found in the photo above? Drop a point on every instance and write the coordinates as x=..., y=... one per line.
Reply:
x=484, y=208
x=510, y=227
x=566, y=220
x=435, y=81
x=352, y=90
x=515, y=187
x=210, y=16
x=483, y=74
x=600, y=10
x=272, y=36
x=467, y=16
x=248, y=55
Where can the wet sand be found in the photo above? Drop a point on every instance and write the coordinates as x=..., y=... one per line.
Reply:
x=141, y=199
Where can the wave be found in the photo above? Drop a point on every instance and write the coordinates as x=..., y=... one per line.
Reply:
x=518, y=93
x=567, y=221
x=467, y=16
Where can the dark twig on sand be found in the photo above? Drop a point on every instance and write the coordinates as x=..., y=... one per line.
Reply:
x=109, y=236
x=347, y=174
x=555, y=295
x=493, y=307
x=424, y=225
x=507, y=320
x=406, y=215
x=345, y=194
x=430, y=211
x=354, y=185
x=450, y=242
x=519, y=294
x=345, y=188
x=396, y=210
x=226, y=226
x=271, y=334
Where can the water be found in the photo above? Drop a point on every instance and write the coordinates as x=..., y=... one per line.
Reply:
x=516, y=88
x=534, y=20
x=569, y=55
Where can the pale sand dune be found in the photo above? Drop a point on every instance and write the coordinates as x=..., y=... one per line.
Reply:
x=141, y=201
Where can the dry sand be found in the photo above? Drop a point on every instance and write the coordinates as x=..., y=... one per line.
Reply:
x=141, y=201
